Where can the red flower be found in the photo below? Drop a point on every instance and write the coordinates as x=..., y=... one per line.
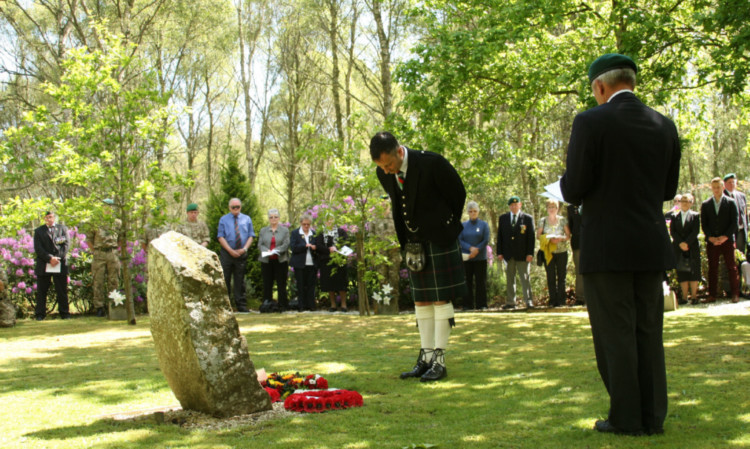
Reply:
x=321, y=401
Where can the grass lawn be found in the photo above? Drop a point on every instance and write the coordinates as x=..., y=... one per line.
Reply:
x=515, y=380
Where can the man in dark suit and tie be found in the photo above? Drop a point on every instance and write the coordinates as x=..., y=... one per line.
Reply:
x=625, y=151
x=719, y=223
x=515, y=245
x=51, y=248
x=730, y=190
x=427, y=200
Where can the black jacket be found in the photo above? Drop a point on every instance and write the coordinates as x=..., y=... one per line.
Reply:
x=515, y=242
x=299, y=249
x=623, y=162
x=723, y=223
x=431, y=202
x=46, y=246
x=687, y=233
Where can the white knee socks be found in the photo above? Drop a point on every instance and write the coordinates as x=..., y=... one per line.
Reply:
x=443, y=314
x=426, y=323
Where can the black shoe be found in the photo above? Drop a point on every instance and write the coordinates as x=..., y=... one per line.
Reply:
x=436, y=372
x=419, y=369
x=605, y=427
x=100, y=312
x=39, y=318
x=344, y=310
x=243, y=310
x=65, y=317
x=332, y=309
x=508, y=306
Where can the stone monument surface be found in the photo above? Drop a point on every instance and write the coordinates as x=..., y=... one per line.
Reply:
x=198, y=342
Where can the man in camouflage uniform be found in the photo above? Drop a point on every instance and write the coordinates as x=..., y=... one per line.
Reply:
x=154, y=228
x=105, y=264
x=196, y=229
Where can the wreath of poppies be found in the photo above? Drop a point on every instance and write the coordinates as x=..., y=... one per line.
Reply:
x=290, y=388
x=322, y=401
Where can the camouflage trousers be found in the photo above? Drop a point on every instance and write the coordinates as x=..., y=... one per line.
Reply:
x=105, y=271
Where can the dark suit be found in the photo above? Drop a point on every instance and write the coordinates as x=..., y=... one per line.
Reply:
x=625, y=152
x=305, y=275
x=515, y=243
x=723, y=223
x=740, y=237
x=48, y=244
x=687, y=233
x=432, y=200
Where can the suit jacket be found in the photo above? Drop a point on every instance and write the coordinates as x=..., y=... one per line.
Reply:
x=741, y=201
x=515, y=242
x=299, y=248
x=723, y=223
x=282, y=243
x=622, y=154
x=431, y=202
x=324, y=242
x=687, y=233
x=46, y=246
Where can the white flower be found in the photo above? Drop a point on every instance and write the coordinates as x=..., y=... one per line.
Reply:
x=116, y=297
x=386, y=300
x=377, y=297
x=387, y=289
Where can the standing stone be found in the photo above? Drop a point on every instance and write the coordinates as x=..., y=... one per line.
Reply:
x=198, y=342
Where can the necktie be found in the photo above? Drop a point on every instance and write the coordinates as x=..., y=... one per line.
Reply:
x=513, y=220
x=401, y=179
x=237, y=237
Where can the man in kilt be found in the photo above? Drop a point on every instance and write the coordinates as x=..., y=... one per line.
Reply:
x=427, y=199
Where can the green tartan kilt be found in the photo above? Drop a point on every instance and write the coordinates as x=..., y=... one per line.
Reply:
x=442, y=278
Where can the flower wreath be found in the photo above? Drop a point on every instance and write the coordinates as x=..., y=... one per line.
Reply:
x=280, y=386
x=322, y=401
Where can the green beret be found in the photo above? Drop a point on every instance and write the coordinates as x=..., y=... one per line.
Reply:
x=109, y=201
x=610, y=61
x=730, y=176
x=513, y=199
x=191, y=207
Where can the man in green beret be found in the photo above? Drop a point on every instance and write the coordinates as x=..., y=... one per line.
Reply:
x=196, y=229
x=730, y=190
x=515, y=246
x=626, y=151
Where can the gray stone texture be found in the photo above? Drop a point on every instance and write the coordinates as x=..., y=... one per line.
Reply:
x=198, y=342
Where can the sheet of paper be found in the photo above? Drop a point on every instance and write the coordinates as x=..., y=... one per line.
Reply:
x=56, y=269
x=345, y=250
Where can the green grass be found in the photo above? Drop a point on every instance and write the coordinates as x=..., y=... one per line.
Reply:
x=516, y=380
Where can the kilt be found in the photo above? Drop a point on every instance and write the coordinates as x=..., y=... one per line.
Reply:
x=442, y=278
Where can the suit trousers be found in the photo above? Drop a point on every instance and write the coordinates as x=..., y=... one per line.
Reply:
x=234, y=273
x=556, y=270
x=626, y=312
x=61, y=290
x=522, y=267
x=725, y=250
x=306, y=279
x=275, y=271
x=580, y=295
x=476, y=283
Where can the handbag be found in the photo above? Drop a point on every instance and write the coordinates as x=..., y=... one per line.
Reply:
x=415, y=259
x=683, y=263
x=540, y=258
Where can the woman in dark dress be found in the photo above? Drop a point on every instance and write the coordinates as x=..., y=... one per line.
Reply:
x=684, y=229
x=333, y=276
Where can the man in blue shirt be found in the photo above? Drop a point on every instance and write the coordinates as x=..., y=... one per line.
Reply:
x=235, y=236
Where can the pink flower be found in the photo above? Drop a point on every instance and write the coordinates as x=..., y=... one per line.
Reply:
x=14, y=290
x=21, y=285
x=31, y=271
x=28, y=290
x=19, y=272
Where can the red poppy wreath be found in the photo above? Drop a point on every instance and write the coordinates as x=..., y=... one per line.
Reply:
x=322, y=401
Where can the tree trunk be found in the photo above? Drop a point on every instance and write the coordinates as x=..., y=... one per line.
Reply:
x=364, y=300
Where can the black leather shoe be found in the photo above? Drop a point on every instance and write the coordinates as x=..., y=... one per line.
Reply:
x=100, y=312
x=508, y=306
x=436, y=372
x=604, y=426
x=420, y=368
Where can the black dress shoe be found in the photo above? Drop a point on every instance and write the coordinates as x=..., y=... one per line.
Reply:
x=39, y=318
x=420, y=368
x=100, y=312
x=508, y=306
x=604, y=426
x=436, y=372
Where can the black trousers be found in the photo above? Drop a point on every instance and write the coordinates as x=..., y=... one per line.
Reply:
x=476, y=283
x=234, y=273
x=556, y=271
x=626, y=311
x=306, y=278
x=61, y=289
x=275, y=271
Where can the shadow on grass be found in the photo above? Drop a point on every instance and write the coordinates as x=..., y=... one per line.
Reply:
x=514, y=381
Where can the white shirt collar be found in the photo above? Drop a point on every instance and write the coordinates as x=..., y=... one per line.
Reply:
x=618, y=93
x=405, y=164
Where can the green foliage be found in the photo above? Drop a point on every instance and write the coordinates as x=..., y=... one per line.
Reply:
x=234, y=184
